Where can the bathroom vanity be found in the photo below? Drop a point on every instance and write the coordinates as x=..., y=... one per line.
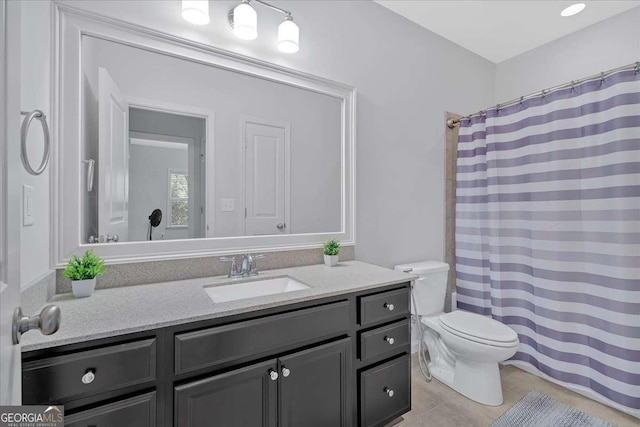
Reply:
x=335, y=354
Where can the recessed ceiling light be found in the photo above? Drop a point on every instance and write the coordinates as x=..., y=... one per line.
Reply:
x=574, y=9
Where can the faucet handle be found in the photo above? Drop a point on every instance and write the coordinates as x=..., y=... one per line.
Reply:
x=233, y=268
x=253, y=268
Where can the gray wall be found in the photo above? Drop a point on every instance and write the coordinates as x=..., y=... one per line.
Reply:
x=406, y=76
x=314, y=120
x=35, y=88
x=608, y=44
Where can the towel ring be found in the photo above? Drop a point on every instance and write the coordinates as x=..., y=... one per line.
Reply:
x=39, y=115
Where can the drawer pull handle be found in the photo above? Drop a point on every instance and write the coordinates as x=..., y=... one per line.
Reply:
x=390, y=340
x=388, y=306
x=88, y=377
x=273, y=375
x=388, y=391
x=285, y=372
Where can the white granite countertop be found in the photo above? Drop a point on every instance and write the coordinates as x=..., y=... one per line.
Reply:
x=129, y=309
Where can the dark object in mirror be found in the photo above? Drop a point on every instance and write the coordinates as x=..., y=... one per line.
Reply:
x=154, y=220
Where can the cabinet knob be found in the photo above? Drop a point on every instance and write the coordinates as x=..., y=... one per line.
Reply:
x=89, y=376
x=285, y=372
x=388, y=306
x=389, y=392
x=273, y=375
x=390, y=340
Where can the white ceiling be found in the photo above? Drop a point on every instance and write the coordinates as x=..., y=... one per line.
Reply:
x=499, y=30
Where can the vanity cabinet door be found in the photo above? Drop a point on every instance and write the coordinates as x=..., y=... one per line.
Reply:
x=315, y=386
x=239, y=398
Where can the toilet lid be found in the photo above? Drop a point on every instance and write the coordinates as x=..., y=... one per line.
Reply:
x=477, y=327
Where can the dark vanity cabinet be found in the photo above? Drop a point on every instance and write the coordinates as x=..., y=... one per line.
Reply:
x=339, y=361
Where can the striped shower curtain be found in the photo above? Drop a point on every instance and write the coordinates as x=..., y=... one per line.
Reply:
x=548, y=232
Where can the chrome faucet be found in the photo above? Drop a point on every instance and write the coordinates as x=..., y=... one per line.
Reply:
x=247, y=268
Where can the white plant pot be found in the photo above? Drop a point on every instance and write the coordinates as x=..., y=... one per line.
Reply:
x=83, y=288
x=331, y=260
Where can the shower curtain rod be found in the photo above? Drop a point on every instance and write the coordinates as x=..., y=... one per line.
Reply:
x=451, y=123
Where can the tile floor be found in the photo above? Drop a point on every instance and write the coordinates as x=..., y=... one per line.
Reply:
x=436, y=405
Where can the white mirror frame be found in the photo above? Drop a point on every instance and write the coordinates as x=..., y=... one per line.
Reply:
x=70, y=25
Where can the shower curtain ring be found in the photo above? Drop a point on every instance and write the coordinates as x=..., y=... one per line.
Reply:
x=637, y=68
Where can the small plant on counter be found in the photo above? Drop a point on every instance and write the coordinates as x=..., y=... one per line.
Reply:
x=82, y=271
x=331, y=251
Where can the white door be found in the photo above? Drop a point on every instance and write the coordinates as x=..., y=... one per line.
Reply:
x=113, y=163
x=266, y=179
x=10, y=172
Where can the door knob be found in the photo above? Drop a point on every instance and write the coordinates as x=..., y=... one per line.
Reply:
x=281, y=226
x=48, y=321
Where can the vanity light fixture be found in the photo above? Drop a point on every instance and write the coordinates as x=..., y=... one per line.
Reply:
x=196, y=11
x=574, y=9
x=288, y=35
x=244, y=21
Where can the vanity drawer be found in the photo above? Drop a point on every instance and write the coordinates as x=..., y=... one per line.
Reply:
x=139, y=411
x=384, y=339
x=63, y=378
x=383, y=306
x=385, y=392
x=253, y=338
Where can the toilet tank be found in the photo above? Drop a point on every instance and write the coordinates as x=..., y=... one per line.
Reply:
x=430, y=288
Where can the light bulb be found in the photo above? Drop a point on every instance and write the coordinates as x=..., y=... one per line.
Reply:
x=288, y=36
x=245, y=22
x=196, y=11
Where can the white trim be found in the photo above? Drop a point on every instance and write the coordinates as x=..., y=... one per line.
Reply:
x=287, y=165
x=11, y=195
x=70, y=25
x=159, y=144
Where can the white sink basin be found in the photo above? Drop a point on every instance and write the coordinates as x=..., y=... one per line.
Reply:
x=255, y=288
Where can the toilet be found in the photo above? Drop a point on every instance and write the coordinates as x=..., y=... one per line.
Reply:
x=465, y=348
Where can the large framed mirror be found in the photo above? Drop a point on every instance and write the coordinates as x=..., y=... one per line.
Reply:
x=165, y=148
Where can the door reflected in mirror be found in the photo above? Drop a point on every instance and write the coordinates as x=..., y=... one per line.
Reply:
x=187, y=150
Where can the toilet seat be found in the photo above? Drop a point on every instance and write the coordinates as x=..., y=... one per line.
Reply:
x=479, y=329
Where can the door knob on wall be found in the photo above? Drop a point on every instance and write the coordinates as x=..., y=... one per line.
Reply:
x=48, y=321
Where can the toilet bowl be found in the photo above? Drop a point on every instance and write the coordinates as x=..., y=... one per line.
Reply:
x=465, y=348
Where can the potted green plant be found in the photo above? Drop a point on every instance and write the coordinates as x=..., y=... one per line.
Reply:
x=331, y=251
x=82, y=271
